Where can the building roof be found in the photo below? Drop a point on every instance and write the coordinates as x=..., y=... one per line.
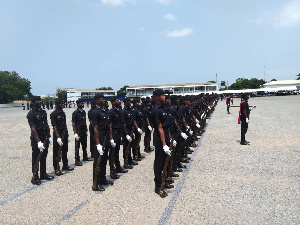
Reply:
x=171, y=85
x=283, y=82
x=87, y=90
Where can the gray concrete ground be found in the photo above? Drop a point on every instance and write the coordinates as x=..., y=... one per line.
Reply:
x=225, y=183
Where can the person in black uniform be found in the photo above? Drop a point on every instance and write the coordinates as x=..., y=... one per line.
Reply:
x=51, y=104
x=80, y=131
x=40, y=131
x=147, y=124
x=58, y=121
x=116, y=126
x=228, y=103
x=102, y=133
x=244, y=117
x=91, y=129
x=128, y=126
x=161, y=138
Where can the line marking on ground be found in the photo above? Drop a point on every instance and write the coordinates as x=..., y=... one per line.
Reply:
x=168, y=210
x=73, y=211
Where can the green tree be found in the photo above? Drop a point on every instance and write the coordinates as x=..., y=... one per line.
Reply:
x=13, y=87
x=242, y=83
x=62, y=94
x=122, y=91
x=104, y=88
x=298, y=77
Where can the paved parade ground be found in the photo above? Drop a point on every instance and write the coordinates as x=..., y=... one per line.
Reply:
x=224, y=183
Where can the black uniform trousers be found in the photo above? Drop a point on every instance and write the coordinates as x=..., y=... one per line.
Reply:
x=160, y=157
x=92, y=140
x=147, y=138
x=36, y=152
x=64, y=152
x=244, y=128
x=117, y=133
x=125, y=144
x=102, y=175
x=135, y=144
x=82, y=141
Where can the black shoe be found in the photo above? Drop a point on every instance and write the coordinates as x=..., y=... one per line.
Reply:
x=175, y=175
x=162, y=194
x=46, y=177
x=130, y=167
x=168, y=186
x=141, y=156
x=121, y=170
x=181, y=166
x=184, y=160
x=58, y=172
x=107, y=182
x=137, y=159
x=189, y=152
x=248, y=142
x=36, y=180
x=68, y=168
x=87, y=159
x=244, y=143
x=114, y=176
x=100, y=188
x=179, y=170
x=133, y=163
x=78, y=163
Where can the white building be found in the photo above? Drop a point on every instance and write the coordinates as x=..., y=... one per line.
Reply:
x=87, y=95
x=177, y=89
x=283, y=85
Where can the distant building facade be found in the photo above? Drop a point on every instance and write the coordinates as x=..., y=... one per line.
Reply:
x=176, y=89
x=87, y=95
x=283, y=84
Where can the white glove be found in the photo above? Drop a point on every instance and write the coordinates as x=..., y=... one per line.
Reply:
x=167, y=150
x=112, y=143
x=128, y=138
x=140, y=131
x=174, y=143
x=191, y=132
x=133, y=135
x=41, y=146
x=197, y=125
x=50, y=140
x=197, y=121
x=99, y=149
x=150, y=128
x=76, y=137
x=247, y=120
x=59, y=141
x=183, y=135
x=187, y=128
x=87, y=133
x=69, y=139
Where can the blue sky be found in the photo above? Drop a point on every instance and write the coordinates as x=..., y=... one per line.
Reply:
x=93, y=43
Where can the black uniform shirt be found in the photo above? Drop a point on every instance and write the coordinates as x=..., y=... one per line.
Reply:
x=101, y=118
x=79, y=118
x=161, y=115
x=115, y=116
x=90, y=112
x=138, y=115
x=244, y=106
x=181, y=115
x=189, y=114
x=147, y=111
x=127, y=117
x=38, y=117
x=58, y=119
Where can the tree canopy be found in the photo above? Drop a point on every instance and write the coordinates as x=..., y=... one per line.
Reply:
x=242, y=83
x=122, y=91
x=13, y=87
x=62, y=94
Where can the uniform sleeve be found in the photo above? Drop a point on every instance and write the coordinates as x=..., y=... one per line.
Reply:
x=53, y=118
x=74, y=117
x=95, y=120
x=30, y=118
x=156, y=116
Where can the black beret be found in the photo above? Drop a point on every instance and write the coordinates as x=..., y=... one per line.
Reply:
x=173, y=97
x=158, y=92
x=182, y=98
x=113, y=98
x=98, y=96
x=146, y=101
x=126, y=100
x=35, y=98
x=135, y=100
x=58, y=101
x=148, y=97
x=79, y=100
x=193, y=99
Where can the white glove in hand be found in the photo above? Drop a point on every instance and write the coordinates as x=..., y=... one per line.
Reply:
x=197, y=125
x=183, y=135
x=87, y=133
x=174, y=143
x=99, y=149
x=191, y=132
x=150, y=128
x=128, y=138
x=197, y=121
x=187, y=128
x=76, y=137
x=140, y=131
x=69, y=139
x=112, y=143
x=247, y=120
x=50, y=140
x=167, y=150
x=41, y=146
x=59, y=142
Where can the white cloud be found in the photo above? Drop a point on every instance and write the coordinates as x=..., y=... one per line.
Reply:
x=164, y=2
x=170, y=17
x=181, y=33
x=290, y=15
x=116, y=2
